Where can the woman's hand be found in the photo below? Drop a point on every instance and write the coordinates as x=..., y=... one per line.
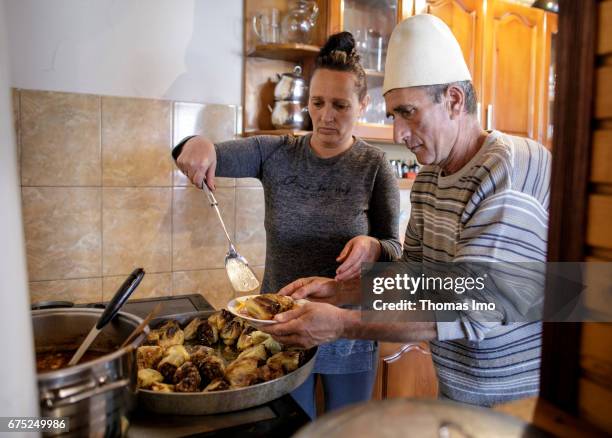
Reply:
x=308, y=325
x=358, y=250
x=312, y=287
x=198, y=161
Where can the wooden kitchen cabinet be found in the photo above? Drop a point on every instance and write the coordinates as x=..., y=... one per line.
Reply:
x=514, y=69
x=369, y=20
x=509, y=49
x=405, y=370
x=466, y=21
x=263, y=61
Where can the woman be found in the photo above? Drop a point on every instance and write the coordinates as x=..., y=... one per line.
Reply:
x=330, y=199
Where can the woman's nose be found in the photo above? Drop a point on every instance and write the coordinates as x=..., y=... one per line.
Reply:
x=328, y=114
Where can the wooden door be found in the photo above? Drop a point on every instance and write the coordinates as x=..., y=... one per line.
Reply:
x=549, y=76
x=405, y=370
x=513, y=73
x=464, y=17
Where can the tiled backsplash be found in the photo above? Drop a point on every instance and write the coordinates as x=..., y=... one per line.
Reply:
x=102, y=196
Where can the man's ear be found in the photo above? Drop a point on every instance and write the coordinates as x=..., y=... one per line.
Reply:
x=455, y=97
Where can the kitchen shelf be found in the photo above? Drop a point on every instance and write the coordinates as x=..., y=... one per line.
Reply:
x=375, y=132
x=287, y=52
x=374, y=73
x=295, y=132
x=405, y=183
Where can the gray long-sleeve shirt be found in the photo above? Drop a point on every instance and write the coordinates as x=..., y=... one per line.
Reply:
x=313, y=207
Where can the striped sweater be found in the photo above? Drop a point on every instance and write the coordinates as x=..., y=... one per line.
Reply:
x=494, y=209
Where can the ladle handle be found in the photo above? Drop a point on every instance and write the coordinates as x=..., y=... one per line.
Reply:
x=209, y=194
x=215, y=205
x=120, y=297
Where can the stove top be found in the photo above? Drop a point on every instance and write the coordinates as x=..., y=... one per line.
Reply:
x=279, y=418
x=172, y=305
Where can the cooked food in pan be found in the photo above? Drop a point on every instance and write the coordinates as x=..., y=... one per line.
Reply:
x=232, y=331
x=187, y=378
x=220, y=319
x=218, y=385
x=147, y=377
x=166, y=336
x=173, y=358
x=211, y=354
x=148, y=356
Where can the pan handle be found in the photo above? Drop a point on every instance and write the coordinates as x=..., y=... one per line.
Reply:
x=120, y=297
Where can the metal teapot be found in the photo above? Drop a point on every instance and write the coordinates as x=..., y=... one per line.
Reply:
x=291, y=86
x=297, y=25
x=288, y=114
x=290, y=101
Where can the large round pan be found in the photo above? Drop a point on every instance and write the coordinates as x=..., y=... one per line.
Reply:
x=204, y=403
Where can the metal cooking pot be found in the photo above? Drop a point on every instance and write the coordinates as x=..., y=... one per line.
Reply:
x=291, y=86
x=96, y=396
x=289, y=115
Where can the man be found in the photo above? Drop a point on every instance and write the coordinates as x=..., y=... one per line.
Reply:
x=480, y=196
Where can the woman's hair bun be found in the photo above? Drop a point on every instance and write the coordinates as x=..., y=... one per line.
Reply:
x=340, y=47
x=339, y=54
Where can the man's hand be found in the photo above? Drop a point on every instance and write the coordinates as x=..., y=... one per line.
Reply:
x=198, y=161
x=308, y=325
x=358, y=250
x=320, y=288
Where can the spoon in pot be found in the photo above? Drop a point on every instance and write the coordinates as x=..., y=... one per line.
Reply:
x=240, y=274
x=145, y=322
x=112, y=308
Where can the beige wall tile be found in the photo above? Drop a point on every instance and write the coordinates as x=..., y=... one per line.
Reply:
x=250, y=232
x=86, y=290
x=60, y=139
x=151, y=286
x=215, y=122
x=136, y=230
x=63, y=232
x=212, y=284
x=248, y=182
x=198, y=238
x=136, y=134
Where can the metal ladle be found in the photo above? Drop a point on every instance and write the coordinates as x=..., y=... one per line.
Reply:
x=240, y=274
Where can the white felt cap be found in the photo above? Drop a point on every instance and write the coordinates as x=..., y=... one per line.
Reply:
x=423, y=51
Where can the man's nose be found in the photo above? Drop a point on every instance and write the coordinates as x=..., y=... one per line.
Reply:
x=401, y=132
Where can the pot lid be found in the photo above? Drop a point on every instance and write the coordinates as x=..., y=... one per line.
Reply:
x=417, y=418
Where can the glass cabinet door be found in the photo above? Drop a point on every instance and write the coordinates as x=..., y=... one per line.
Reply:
x=371, y=23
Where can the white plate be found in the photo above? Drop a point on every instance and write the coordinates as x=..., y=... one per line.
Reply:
x=232, y=307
